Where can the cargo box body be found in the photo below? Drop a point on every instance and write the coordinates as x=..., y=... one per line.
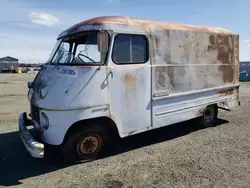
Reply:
x=191, y=69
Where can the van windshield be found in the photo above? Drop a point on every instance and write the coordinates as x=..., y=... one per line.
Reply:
x=81, y=48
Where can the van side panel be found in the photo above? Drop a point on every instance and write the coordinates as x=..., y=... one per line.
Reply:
x=189, y=71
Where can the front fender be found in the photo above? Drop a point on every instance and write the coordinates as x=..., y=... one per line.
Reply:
x=61, y=121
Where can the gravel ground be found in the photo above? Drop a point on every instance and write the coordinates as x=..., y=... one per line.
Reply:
x=179, y=155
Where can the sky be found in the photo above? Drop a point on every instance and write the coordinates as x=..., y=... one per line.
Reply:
x=29, y=28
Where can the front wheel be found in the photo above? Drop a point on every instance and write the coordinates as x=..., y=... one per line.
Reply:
x=85, y=144
x=209, y=117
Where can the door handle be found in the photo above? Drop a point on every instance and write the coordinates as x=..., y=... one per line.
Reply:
x=107, y=79
x=109, y=76
x=110, y=73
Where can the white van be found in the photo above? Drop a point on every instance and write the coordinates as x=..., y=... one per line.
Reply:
x=118, y=75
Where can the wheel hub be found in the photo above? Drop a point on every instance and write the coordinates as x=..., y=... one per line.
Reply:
x=88, y=145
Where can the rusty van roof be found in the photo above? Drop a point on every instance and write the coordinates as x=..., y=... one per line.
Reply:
x=128, y=21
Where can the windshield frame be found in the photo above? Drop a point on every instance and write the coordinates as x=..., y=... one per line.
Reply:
x=60, y=41
x=54, y=50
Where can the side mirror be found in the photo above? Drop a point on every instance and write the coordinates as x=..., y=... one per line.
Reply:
x=30, y=84
x=102, y=39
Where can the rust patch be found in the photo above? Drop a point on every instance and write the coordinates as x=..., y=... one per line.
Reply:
x=109, y=111
x=222, y=93
x=212, y=39
x=130, y=93
x=236, y=49
x=223, y=45
x=129, y=79
x=228, y=72
x=225, y=55
x=200, y=112
x=223, y=39
x=127, y=21
x=229, y=91
x=236, y=58
x=225, y=51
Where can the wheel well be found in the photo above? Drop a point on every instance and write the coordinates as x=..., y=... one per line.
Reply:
x=109, y=123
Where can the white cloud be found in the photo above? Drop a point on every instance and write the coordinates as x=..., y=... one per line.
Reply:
x=40, y=18
x=25, y=34
x=247, y=41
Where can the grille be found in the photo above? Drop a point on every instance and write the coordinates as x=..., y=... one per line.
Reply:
x=34, y=113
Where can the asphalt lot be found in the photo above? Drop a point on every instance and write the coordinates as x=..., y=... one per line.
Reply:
x=180, y=155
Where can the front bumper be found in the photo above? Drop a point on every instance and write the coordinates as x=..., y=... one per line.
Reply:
x=35, y=148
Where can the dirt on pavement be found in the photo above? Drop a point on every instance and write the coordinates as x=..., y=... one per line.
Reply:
x=179, y=155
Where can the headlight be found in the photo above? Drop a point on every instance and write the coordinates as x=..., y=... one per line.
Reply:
x=44, y=120
x=30, y=93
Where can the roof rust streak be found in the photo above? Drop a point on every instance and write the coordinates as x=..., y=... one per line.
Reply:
x=122, y=20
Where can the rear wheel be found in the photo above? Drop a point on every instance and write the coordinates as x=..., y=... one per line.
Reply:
x=209, y=117
x=85, y=144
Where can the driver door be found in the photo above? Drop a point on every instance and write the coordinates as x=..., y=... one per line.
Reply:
x=130, y=86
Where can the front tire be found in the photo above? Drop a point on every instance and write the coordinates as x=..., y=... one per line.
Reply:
x=85, y=144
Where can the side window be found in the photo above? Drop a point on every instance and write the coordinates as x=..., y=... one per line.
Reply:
x=130, y=49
